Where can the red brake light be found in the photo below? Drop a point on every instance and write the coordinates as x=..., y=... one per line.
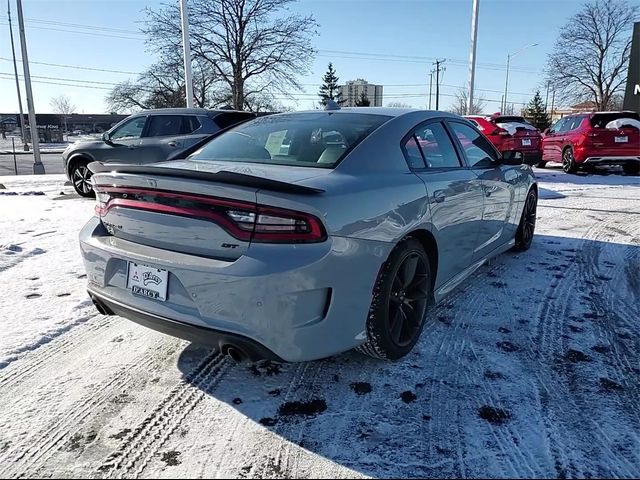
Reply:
x=243, y=220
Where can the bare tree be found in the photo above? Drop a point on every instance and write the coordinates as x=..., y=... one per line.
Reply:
x=162, y=86
x=254, y=46
x=462, y=99
x=590, y=59
x=398, y=105
x=62, y=106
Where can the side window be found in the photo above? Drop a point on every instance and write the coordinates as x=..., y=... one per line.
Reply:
x=430, y=145
x=565, y=125
x=436, y=146
x=477, y=149
x=413, y=154
x=555, y=126
x=576, y=123
x=130, y=130
x=190, y=124
x=164, y=125
x=207, y=125
x=225, y=120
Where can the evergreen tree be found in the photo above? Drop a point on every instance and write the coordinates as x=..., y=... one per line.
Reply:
x=536, y=113
x=330, y=89
x=363, y=101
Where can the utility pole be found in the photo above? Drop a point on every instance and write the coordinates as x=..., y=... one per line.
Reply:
x=15, y=70
x=38, y=167
x=186, y=47
x=430, y=87
x=472, y=55
x=437, y=63
x=553, y=100
x=546, y=100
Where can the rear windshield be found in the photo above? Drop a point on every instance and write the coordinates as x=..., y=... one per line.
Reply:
x=513, y=124
x=302, y=139
x=600, y=120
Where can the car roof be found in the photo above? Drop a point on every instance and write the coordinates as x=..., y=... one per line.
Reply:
x=385, y=111
x=182, y=111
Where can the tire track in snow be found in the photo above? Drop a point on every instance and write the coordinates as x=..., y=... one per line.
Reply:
x=33, y=453
x=143, y=443
x=555, y=394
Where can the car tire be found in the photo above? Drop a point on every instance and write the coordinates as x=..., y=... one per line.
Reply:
x=401, y=297
x=541, y=164
x=527, y=225
x=631, y=168
x=568, y=161
x=81, y=178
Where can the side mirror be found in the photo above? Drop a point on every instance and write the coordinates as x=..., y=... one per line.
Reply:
x=106, y=137
x=512, y=157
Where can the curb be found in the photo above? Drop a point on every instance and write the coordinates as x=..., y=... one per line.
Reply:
x=9, y=152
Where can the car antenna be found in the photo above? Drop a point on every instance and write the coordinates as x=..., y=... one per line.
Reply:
x=331, y=105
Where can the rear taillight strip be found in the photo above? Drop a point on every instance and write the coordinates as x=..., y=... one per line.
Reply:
x=258, y=231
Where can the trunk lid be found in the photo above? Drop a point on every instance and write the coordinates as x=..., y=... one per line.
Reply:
x=198, y=208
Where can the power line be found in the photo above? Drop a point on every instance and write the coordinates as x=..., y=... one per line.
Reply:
x=85, y=26
x=95, y=34
x=78, y=67
x=58, y=83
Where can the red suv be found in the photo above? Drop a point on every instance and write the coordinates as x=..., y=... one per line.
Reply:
x=508, y=132
x=587, y=140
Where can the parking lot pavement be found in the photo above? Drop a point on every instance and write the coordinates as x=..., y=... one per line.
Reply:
x=52, y=163
x=530, y=369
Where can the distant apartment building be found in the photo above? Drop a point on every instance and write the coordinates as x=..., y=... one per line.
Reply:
x=353, y=89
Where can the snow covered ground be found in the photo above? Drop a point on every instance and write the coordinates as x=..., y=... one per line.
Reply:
x=531, y=369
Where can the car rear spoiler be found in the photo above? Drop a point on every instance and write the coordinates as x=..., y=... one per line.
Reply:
x=221, y=176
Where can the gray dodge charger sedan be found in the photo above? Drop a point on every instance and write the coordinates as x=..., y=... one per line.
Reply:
x=301, y=235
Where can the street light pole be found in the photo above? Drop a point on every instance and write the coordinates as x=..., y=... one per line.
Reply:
x=15, y=71
x=38, y=167
x=472, y=55
x=186, y=47
x=506, y=83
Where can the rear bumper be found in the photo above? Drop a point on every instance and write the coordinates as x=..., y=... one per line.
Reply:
x=251, y=350
x=612, y=160
x=297, y=302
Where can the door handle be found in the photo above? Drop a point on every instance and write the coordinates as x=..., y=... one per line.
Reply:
x=439, y=196
x=172, y=144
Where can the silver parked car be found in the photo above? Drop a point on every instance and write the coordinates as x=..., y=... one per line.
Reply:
x=146, y=137
x=301, y=235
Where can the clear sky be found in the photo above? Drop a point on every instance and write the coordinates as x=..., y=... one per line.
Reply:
x=388, y=42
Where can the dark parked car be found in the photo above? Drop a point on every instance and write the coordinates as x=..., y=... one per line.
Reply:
x=587, y=140
x=146, y=137
x=509, y=132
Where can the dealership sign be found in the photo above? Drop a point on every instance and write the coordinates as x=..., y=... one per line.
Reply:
x=632, y=92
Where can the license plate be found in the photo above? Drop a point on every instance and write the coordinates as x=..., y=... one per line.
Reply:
x=147, y=282
x=624, y=139
x=526, y=142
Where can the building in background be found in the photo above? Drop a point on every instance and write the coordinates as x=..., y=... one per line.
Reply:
x=354, y=88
